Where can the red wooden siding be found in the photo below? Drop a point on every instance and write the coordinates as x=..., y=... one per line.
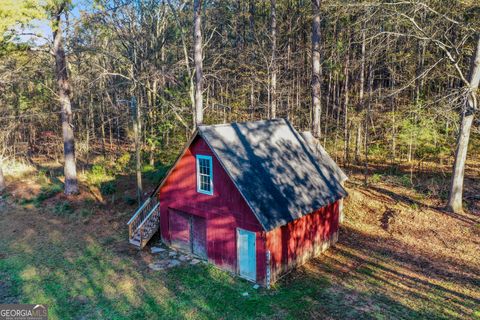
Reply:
x=216, y=218
x=224, y=211
x=301, y=239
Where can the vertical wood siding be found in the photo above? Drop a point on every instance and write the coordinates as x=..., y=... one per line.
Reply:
x=225, y=210
x=296, y=242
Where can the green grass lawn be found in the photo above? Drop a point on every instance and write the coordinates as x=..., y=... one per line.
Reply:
x=82, y=267
x=83, y=280
x=79, y=277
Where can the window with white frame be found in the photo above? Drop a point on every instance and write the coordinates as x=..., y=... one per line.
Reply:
x=204, y=174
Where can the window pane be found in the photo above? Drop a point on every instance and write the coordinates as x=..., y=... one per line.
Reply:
x=207, y=184
x=204, y=166
x=204, y=175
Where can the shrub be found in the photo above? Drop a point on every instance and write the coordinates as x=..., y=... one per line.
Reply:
x=98, y=175
x=376, y=178
x=378, y=151
x=98, y=170
x=443, y=194
x=108, y=187
x=42, y=177
x=49, y=191
x=406, y=181
x=123, y=163
x=156, y=175
x=148, y=168
x=63, y=208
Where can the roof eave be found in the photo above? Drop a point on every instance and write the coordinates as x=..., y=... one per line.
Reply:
x=187, y=145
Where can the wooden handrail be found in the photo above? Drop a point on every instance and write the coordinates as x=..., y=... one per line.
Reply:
x=144, y=222
x=139, y=210
x=148, y=217
x=140, y=216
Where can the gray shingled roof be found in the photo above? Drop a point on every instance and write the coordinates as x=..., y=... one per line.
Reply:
x=282, y=174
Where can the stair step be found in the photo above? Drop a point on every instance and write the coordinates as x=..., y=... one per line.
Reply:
x=149, y=225
x=135, y=242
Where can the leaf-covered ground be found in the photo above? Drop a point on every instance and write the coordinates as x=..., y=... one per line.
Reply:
x=399, y=257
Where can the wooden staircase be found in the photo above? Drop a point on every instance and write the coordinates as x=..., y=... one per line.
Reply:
x=144, y=223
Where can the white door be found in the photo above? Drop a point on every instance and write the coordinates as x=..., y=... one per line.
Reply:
x=247, y=261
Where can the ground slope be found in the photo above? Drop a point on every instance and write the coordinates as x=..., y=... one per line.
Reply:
x=399, y=256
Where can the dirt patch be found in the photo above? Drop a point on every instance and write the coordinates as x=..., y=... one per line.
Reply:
x=398, y=247
x=24, y=189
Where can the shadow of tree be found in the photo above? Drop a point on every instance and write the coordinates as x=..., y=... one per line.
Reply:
x=81, y=276
x=391, y=271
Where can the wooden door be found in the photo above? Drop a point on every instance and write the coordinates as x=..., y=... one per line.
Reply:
x=180, y=230
x=199, y=236
x=188, y=233
x=246, y=252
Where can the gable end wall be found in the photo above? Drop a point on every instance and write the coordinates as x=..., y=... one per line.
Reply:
x=224, y=211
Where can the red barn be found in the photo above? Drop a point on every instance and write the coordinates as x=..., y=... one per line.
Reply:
x=255, y=198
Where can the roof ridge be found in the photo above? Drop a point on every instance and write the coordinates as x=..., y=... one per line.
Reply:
x=271, y=155
x=242, y=122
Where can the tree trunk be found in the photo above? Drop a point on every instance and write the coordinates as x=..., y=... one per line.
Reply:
x=273, y=87
x=456, y=186
x=345, y=112
x=137, y=129
x=70, y=167
x=394, y=124
x=367, y=120
x=2, y=178
x=316, y=77
x=362, y=70
x=360, y=98
x=358, y=142
x=191, y=90
x=252, y=102
x=102, y=129
x=198, y=59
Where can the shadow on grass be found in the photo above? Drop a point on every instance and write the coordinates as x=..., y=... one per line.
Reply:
x=465, y=217
x=106, y=191
x=80, y=277
x=437, y=286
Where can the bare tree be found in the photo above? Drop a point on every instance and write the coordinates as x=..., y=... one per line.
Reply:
x=273, y=80
x=456, y=187
x=316, y=77
x=70, y=167
x=198, y=59
x=345, y=109
x=358, y=138
x=5, y=131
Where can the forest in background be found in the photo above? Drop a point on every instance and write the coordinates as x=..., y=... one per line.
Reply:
x=392, y=81
x=98, y=97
